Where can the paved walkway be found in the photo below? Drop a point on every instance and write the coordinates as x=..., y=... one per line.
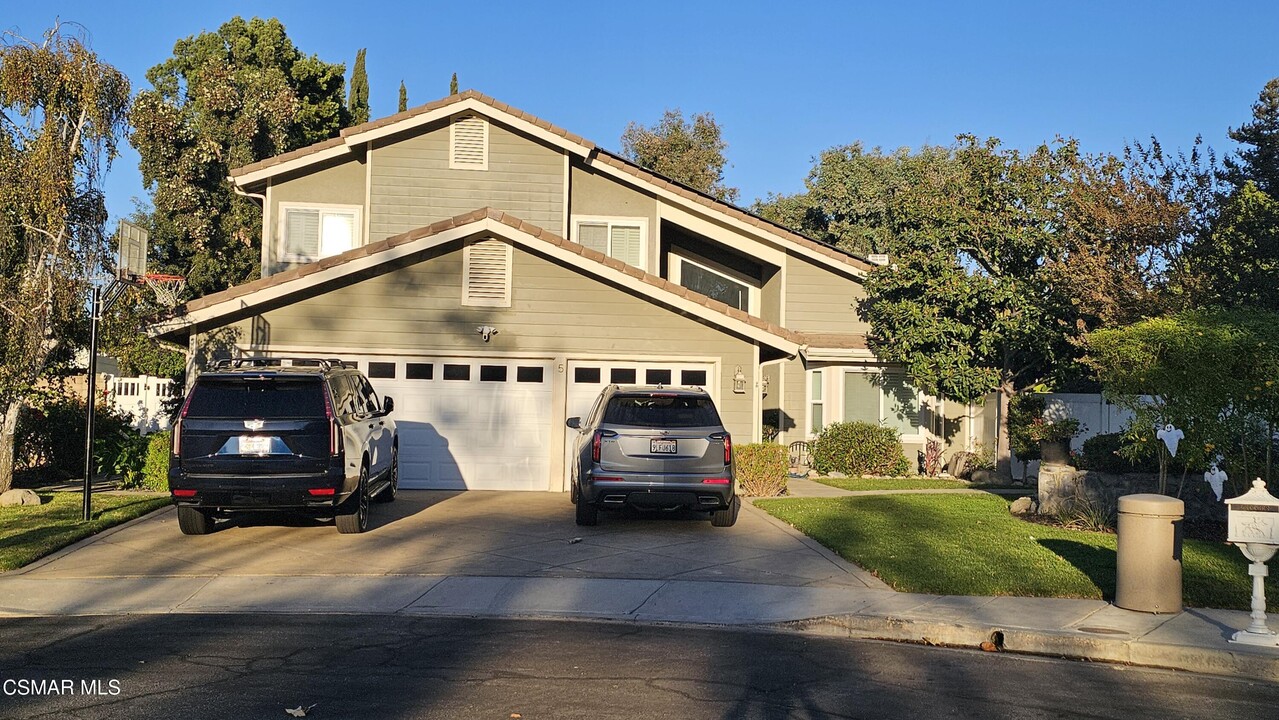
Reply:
x=516, y=555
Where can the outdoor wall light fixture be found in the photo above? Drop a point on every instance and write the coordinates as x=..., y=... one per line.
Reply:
x=486, y=331
x=739, y=380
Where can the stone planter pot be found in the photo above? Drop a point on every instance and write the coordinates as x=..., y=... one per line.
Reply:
x=1054, y=452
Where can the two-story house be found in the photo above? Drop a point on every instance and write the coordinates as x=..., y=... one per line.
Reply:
x=492, y=272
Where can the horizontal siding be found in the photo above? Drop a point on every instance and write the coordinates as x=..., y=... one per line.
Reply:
x=819, y=300
x=555, y=310
x=412, y=184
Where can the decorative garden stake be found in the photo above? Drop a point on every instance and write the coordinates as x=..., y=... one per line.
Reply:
x=1171, y=436
x=1254, y=529
x=1216, y=479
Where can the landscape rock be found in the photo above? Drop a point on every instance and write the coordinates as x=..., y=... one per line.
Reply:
x=836, y=474
x=981, y=477
x=19, y=497
x=1023, y=506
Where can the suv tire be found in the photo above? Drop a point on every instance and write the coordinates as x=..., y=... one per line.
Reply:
x=194, y=521
x=587, y=514
x=393, y=479
x=728, y=516
x=353, y=518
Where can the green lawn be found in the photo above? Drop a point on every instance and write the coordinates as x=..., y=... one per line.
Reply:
x=913, y=483
x=971, y=545
x=28, y=533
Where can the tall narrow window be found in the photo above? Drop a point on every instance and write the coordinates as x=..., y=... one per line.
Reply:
x=469, y=143
x=816, y=402
x=486, y=274
x=308, y=234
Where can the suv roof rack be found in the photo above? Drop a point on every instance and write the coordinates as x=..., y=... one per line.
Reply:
x=263, y=361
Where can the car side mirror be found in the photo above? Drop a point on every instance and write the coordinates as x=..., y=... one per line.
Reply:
x=574, y=422
x=387, y=405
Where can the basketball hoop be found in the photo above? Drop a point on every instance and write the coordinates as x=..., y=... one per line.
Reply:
x=167, y=288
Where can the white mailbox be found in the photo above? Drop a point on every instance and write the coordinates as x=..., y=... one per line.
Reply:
x=1254, y=529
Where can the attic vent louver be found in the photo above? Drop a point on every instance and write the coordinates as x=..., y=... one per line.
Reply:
x=469, y=143
x=486, y=274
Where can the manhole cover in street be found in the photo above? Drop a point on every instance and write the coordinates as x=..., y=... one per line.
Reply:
x=1102, y=631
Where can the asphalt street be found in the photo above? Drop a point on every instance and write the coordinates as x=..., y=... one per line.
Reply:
x=246, y=666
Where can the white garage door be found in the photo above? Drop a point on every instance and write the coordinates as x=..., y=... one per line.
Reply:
x=587, y=377
x=468, y=423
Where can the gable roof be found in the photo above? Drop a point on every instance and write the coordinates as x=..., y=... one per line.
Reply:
x=593, y=155
x=245, y=297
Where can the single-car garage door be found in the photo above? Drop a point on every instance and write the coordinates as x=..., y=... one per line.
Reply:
x=468, y=423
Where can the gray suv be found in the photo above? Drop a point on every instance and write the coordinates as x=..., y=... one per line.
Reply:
x=294, y=434
x=653, y=448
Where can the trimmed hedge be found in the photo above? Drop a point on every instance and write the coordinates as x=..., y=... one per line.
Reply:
x=859, y=448
x=761, y=469
x=1101, y=453
x=155, y=474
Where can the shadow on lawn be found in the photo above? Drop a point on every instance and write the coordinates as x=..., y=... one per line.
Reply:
x=1097, y=563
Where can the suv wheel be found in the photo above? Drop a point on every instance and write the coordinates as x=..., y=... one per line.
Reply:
x=354, y=517
x=587, y=514
x=194, y=521
x=393, y=479
x=728, y=516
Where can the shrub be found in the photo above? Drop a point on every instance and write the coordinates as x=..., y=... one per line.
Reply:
x=155, y=473
x=50, y=438
x=859, y=448
x=1101, y=453
x=761, y=469
x=120, y=451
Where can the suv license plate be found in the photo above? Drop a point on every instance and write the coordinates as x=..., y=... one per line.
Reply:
x=255, y=445
x=665, y=447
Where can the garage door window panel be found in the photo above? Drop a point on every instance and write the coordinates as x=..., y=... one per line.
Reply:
x=312, y=232
x=492, y=373
x=419, y=371
x=457, y=372
x=528, y=374
x=622, y=376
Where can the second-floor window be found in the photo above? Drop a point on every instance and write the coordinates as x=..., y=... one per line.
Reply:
x=311, y=232
x=621, y=238
x=715, y=281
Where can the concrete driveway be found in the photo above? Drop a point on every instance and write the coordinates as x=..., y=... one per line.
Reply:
x=476, y=533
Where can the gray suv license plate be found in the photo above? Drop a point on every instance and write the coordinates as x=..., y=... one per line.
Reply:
x=665, y=447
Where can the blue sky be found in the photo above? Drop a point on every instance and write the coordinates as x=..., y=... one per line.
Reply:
x=785, y=80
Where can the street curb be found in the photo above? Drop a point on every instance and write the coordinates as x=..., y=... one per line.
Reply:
x=869, y=580
x=1026, y=641
x=85, y=541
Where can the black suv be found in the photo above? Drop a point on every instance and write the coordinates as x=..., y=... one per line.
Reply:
x=297, y=434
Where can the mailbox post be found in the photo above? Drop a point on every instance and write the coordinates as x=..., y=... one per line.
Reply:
x=1254, y=529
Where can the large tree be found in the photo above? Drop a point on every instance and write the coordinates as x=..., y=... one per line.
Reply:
x=225, y=99
x=687, y=152
x=61, y=112
x=1258, y=158
x=358, y=100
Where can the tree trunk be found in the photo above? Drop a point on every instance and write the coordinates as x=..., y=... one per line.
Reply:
x=1003, y=450
x=8, y=439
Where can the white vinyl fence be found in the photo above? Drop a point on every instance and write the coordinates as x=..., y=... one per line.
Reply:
x=1096, y=416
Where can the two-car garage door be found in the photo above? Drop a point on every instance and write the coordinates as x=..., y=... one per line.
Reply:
x=485, y=423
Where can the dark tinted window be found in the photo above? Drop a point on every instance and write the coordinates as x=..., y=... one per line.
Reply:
x=367, y=395
x=528, y=374
x=381, y=369
x=693, y=377
x=492, y=373
x=586, y=375
x=419, y=371
x=657, y=377
x=622, y=376
x=661, y=411
x=257, y=398
x=457, y=372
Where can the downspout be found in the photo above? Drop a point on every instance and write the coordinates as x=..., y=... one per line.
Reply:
x=261, y=199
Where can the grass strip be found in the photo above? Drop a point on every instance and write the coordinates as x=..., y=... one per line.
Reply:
x=29, y=532
x=972, y=545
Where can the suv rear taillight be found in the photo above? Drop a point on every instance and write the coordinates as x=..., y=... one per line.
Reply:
x=598, y=441
x=728, y=446
x=335, y=430
x=177, y=425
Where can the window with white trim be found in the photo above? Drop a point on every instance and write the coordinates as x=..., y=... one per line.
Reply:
x=625, y=239
x=886, y=399
x=469, y=143
x=311, y=232
x=816, y=402
x=486, y=274
x=715, y=281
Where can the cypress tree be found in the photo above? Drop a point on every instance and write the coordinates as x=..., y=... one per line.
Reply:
x=453, y=85
x=404, y=97
x=358, y=99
